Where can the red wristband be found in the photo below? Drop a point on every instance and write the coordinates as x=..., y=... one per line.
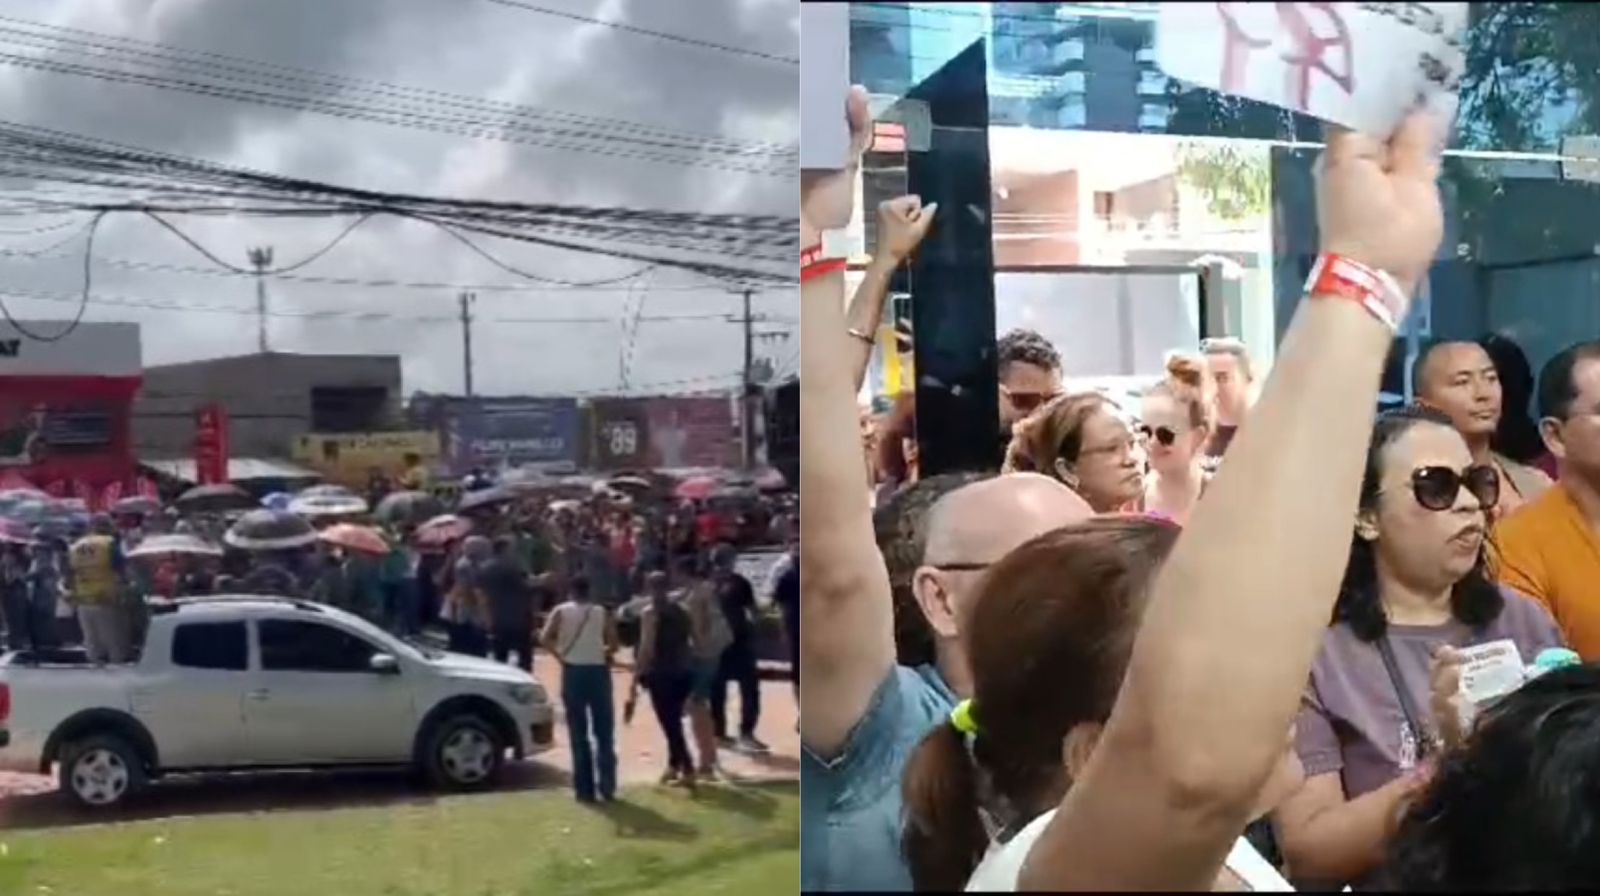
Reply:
x=820, y=268
x=1339, y=277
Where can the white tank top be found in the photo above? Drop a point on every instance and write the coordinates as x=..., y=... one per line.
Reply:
x=1002, y=865
x=583, y=627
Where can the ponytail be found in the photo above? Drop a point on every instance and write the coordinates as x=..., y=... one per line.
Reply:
x=944, y=835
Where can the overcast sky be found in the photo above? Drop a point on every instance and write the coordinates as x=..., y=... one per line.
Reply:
x=471, y=47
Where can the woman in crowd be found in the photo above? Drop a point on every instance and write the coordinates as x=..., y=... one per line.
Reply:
x=664, y=666
x=1235, y=615
x=1073, y=599
x=466, y=610
x=1082, y=440
x=1516, y=436
x=1415, y=580
x=1512, y=809
x=1178, y=418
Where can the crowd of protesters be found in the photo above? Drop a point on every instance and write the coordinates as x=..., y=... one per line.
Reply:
x=1213, y=641
x=509, y=575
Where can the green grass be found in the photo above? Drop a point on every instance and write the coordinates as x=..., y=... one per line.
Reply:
x=656, y=841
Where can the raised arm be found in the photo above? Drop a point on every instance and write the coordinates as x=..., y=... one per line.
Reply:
x=902, y=223
x=1236, y=615
x=846, y=614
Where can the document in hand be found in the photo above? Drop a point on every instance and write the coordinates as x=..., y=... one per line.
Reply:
x=1361, y=65
x=824, y=83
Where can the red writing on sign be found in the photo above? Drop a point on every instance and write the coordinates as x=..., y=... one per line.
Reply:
x=1308, y=50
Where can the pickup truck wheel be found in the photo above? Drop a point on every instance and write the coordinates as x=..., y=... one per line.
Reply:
x=463, y=752
x=101, y=770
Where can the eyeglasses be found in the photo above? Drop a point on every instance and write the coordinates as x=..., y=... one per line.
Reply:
x=1027, y=401
x=1435, y=488
x=961, y=567
x=1165, y=435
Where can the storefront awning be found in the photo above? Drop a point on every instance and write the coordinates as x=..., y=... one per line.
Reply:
x=240, y=469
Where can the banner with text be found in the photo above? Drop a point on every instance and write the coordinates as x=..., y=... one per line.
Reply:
x=509, y=433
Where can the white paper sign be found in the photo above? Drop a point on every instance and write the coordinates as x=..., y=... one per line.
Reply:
x=1361, y=65
x=1490, y=670
x=824, y=85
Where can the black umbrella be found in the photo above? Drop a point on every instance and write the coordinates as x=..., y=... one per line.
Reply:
x=270, y=530
x=487, y=497
x=219, y=498
x=408, y=507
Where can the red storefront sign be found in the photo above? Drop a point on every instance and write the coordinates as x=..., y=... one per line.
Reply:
x=211, y=444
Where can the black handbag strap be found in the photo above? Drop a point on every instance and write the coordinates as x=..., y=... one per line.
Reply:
x=1418, y=733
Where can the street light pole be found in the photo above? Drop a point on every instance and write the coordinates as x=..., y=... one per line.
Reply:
x=261, y=258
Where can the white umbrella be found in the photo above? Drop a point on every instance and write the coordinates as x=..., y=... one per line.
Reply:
x=164, y=545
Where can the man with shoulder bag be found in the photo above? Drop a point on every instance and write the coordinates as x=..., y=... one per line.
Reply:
x=583, y=636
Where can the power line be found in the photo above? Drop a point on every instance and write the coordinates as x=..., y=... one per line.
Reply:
x=634, y=29
x=240, y=69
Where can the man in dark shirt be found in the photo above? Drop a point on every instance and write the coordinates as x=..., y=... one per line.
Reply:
x=786, y=594
x=738, y=600
x=510, y=604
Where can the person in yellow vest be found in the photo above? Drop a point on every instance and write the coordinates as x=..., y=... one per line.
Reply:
x=95, y=566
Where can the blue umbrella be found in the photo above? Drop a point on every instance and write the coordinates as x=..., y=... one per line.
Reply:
x=277, y=501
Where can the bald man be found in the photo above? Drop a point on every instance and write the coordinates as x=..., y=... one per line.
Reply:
x=1459, y=379
x=864, y=714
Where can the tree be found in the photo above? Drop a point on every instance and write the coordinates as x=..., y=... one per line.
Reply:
x=1236, y=181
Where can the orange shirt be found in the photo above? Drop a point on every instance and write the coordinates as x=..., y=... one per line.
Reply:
x=1549, y=552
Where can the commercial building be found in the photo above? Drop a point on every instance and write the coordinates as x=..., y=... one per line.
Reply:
x=1122, y=213
x=66, y=398
x=271, y=401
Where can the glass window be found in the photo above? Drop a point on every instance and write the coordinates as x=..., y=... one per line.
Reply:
x=293, y=646
x=211, y=645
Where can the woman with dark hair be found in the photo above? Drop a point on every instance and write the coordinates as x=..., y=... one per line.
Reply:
x=1513, y=808
x=1516, y=436
x=1084, y=441
x=1416, y=580
x=1072, y=600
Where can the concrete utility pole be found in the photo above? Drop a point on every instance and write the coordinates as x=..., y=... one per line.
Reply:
x=261, y=259
x=467, y=298
x=747, y=393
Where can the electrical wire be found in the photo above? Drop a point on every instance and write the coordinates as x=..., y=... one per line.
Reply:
x=83, y=305
x=661, y=35
x=263, y=271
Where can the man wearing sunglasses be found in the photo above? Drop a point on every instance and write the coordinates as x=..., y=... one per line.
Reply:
x=1550, y=547
x=1460, y=379
x=1030, y=375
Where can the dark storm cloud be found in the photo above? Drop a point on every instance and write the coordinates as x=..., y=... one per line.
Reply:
x=462, y=46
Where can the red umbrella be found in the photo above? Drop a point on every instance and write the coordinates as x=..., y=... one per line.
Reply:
x=362, y=539
x=696, y=488
x=441, y=530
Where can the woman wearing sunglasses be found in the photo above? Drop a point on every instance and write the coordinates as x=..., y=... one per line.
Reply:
x=1415, y=581
x=1178, y=417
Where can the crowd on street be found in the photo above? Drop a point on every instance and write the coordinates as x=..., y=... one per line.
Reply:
x=578, y=567
x=1247, y=631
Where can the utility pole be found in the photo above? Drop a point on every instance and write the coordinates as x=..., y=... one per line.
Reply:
x=746, y=394
x=467, y=299
x=261, y=258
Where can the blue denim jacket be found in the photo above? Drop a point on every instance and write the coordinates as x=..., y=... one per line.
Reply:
x=851, y=812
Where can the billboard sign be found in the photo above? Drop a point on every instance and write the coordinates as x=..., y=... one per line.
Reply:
x=663, y=433
x=350, y=458
x=504, y=433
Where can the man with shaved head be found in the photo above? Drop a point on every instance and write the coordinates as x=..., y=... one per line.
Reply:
x=863, y=712
x=1459, y=378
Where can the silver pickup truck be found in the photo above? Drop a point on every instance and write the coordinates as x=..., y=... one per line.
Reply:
x=238, y=683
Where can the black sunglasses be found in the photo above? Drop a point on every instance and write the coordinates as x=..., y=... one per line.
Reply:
x=1436, y=488
x=1166, y=435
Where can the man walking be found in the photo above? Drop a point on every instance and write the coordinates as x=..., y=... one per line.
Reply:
x=583, y=636
x=736, y=598
x=510, y=604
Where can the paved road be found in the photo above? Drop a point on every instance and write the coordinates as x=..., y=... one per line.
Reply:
x=30, y=801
